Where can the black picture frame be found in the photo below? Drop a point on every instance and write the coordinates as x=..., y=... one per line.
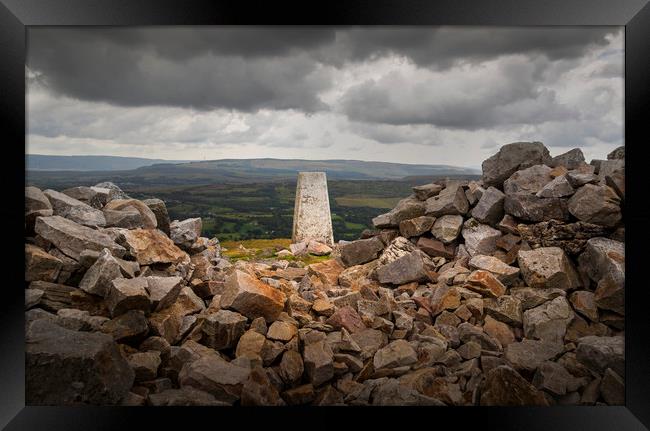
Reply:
x=17, y=15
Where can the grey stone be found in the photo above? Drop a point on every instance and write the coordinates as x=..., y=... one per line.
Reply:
x=535, y=209
x=479, y=238
x=130, y=327
x=127, y=218
x=163, y=291
x=114, y=192
x=159, y=209
x=450, y=201
x=558, y=188
x=405, y=209
x=547, y=267
x=360, y=251
x=88, y=195
x=185, y=233
x=597, y=204
x=215, y=376
x=41, y=265
x=504, y=386
x=489, y=208
x=528, y=355
x=416, y=226
x=548, y=321
x=599, y=353
x=411, y=267
x=505, y=309
x=396, y=354
x=127, y=294
x=617, y=153
x=528, y=181
x=426, y=191
x=98, y=278
x=503, y=272
x=35, y=200
x=75, y=210
x=511, y=158
x=222, y=330
x=570, y=160
x=447, y=228
x=319, y=362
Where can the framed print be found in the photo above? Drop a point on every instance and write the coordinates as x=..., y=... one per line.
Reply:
x=269, y=213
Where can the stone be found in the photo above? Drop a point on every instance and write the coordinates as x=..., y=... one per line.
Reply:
x=572, y=159
x=251, y=344
x=127, y=294
x=299, y=395
x=570, y=237
x=426, y=191
x=553, y=378
x=151, y=246
x=360, y=251
x=405, y=209
x=215, y=376
x=512, y=158
x=35, y=200
x=547, y=267
x=602, y=258
x=319, y=362
x=435, y=248
x=479, y=238
x=159, y=209
x=64, y=367
x=88, y=195
x=597, y=204
x=32, y=297
x=128, y=218
x=609, y=167
x=508, y=224
x=548, y=321
x=392, y=393
x=535, y=209
x=184, y=233
x=473, y=193
x=498, y=330
x=327, y=272
x=485, y=283
x=468, y=332
x=612, y=388
x=451, y=200
x=291, y=367
x=323, y=307
x=145, y=365
x=311, y=217
x=617, y=153
x=186, y=396
x=505, y=308
x=75, y=210
x=584, y=303
x=506, y=274
x=599, y=353
x=528, y=355
x=369, y=341
x=163, y=291
x=318, y=248
x=222, y=330
x=415, y=226
x=609, y=295
x=114, y=192
x=41, y=265
x=579, y=178
x=346, y=317
x=259, y=391
x=30, y=220
x=396, y=354
x=251, y=297
x=447, y=228
x=489, y=209
x=72, y=238
x=616, y=180
x=130, y=327
x=410, y=267
x=98, y=278
x=281, y=331
x=504, y=386
x=560, y=187
x=528, y=181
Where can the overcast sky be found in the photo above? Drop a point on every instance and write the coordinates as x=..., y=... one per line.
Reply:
x=438, y=95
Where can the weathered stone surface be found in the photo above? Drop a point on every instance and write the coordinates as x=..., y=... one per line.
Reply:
x=479, y=238
x=570, y=160
x=346, y=317
x=36, y=200
x=548, y=321
x=98, y=278
x=130, y=327
x=369, y=341
x=127, y=218
x=547, y=267
x=127, y=294
x=553, y=378
x=600, y=353
x=251, y=297
x=451, y=200
x=327, y=272
x=258, y=390
x=597, y=204
x=163, y=291
x=528, y=355
x=426, y=191
x=511, y=158
x=397, y=248
x=114, y=192
x=571, y=237
x=66, y=367
x=281, y=331
x=150, y=246
x=184, y=233
x=560, y=187
x=319, y=362
x=159, y=209
x=149, y=220
x=399, y=353
x=612, y=388
x=535, y=209
x=485, y=283
x=583, y=302
x=88, y=195
x=291, y=366
x=186, y=396
x=360, y=251
x=221, y=330
x=610, y=295
x=617, y=153
x=72, y=238
x=251, y=344
x=411, y=267
x=391, y=393
x=215, y=376
x=504, y=386
x=603, y=258
x=32, y=297
x=489, y=209
x=504, y=273
x=528, y=181
x=405, y=209
x=145, y=365
x=498, y=330
x=447, y=228
x=468, y=332
x=435, y=248
x=608, y=167
x=75, y=210
x=415, y=226
x=40, y=265
x=318, y=248
x=505, y=308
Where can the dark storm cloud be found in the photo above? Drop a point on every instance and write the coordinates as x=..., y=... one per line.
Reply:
x=248, y=69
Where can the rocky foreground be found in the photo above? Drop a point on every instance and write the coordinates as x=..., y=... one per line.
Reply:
x=506, y=291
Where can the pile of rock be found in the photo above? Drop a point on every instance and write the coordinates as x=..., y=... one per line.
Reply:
x=505, y=291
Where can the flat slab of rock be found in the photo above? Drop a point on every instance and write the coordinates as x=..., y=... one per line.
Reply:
x=506, y=387
x=435, y=248
x=40, y=265
x=535, y=209
x=426, y=191
x=479, y=238
x=128, y=294
x=505, y=273
x=411, y=267
x=547, y=267
x=489, y=208
x=511, y=158
x=447, y=228
x=405, y=209
x=150, y=246
x=360, y=251
x=451, y=200
x=528, y=181
x=75, y=210
x=251, y=297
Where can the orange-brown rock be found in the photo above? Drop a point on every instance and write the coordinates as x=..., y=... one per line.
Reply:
x=152, y=246
x=485, y=283
x=328, y=272
x=251, y=297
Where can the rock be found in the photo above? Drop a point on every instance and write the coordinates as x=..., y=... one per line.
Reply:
x=505, y=308
x=327, y=272
x=145, y=365
x=92, y=196
x=251, y=297
x=405, y=209
x=114, y=192
x=291, y=367
x=426, y=191
x=447, y=228
x=150, y=246
x=127, y=294
x=485, y=283
x=40, y=265
x=435, y=248
x=553, y=378
x=511, y=158
x=506, y=274
x=185, y=233
x=360, y=251
x=251, y=344
x=415, y=226
x=558, y=188
x=32, y=297
x=319, y=362
x=504, y=386
x=346, y=317
x=30, y=220
x=600, y=353
x=528, y=355
x=215, y=376
x=259, y=391
x=612, y=388
x=528, y=181
x=72, y=238
x=473, y=193
x=603, y=258
x=186, y=396
x=508, y=224
x=397, y=354
x=580, y=177
x=583, y=302
x=130, y=327
x=499, y=331
x=489, y=209
x=281, y=331
x=298, y=249
x=572, y=159
x=75, y=210
x=318, y=248
x=98, y=278
x=609, y=167
x=616, y=180
x=479, y=238
x=597, y=204
x=149, y=220
x=159, y=209
x=128, y=218
x=610, y=295
x=571, y=237
x=547, y=267
x=163, y=291
x=64, y=367
x=411, y=267
x=548, y=321
x=221, y=330
x=617, y=153
x=35, y=200
x=451, y=200
x=535, y=209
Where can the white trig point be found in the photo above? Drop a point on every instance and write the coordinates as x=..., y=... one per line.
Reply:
x=311, y=214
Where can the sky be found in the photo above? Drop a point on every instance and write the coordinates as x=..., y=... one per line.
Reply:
x=431, y=95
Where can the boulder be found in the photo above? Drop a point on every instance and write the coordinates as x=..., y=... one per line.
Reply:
x=405, y=209
x=528, y=355
x=114, y=192
x=560, y=187
x=489, y=209
x=553, y=378
x=319, y=362
x=416, y=226
x=185, y=233
x=360, y=251
x=447, y=228
x=505, y=308
x=528, y=181
x=451, y=200
x=617, y=153
x=92, y=196
x=75, y=210
x=506, y=274
x=572, y=159
x=399, y=353
x=40, y=265
x=547, y=267
x=159, y=209
x=570, y=237
x=485, y=283
x=498, y=330
x=145, y=365
x=512, y=158
x=251, y=297
x=479, y=238
x=127, y=218
x=426, y=191
x=163, y=291
x=584, y=303
x=548, y=321
x=127, y=294
x=318, y=248
x=504, y=386
x=35, y=200
x=346, y=317
x=222, y=330
x=599, y=353
x=535, y=209
x=130, y=327
x=258, y=390
x=150, y=246
x=149, y=220
x=597, y=204
x=281, y=331
x=211, y=374
x=435, y=248
x=603, y=258
x=291, y=367
x=410, y=267
x=98, y=278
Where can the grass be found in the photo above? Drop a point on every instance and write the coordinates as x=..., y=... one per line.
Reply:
x=365, y=201
x=264, y=248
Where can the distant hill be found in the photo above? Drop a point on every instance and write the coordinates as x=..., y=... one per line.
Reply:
x=39, y=162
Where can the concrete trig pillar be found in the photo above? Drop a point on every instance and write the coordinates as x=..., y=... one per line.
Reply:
x=311, y=215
